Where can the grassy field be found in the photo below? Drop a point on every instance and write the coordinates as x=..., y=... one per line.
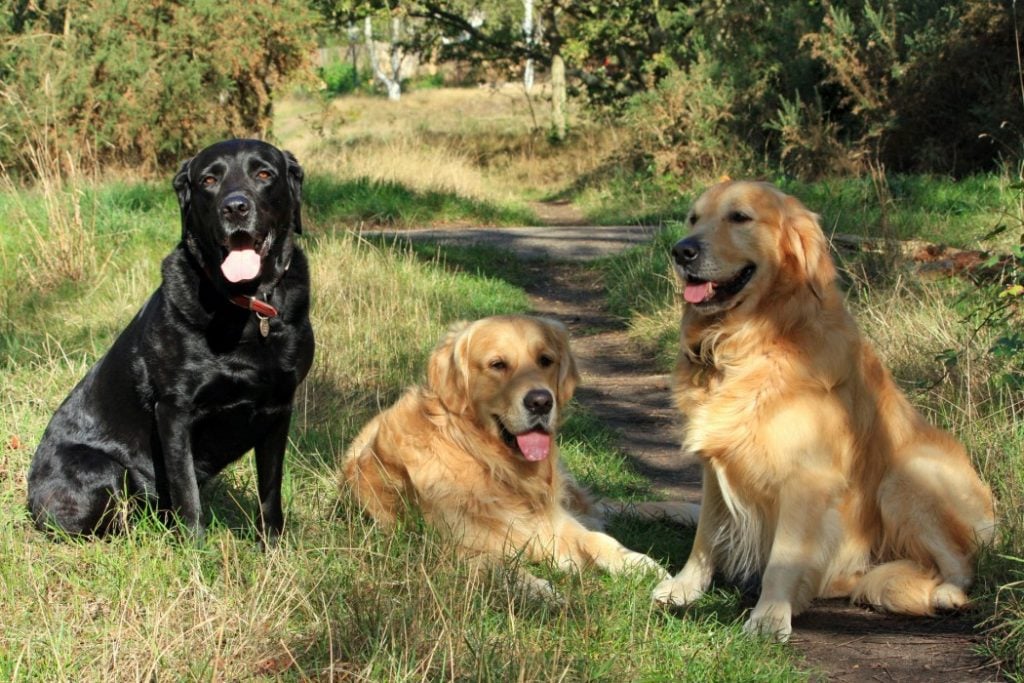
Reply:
x=340, y=600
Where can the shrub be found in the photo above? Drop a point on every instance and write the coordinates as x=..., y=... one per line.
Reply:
x=923, y=86
x=340, y=77
x=143, y=83
x=682, y=124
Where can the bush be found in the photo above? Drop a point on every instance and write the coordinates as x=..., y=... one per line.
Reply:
x=143, y=83
x=923, y=86
x=682, y=125
x=426, y=82
x=340, y=78
x=824, y=89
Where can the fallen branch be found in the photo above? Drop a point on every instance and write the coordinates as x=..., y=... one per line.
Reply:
x=933, y=260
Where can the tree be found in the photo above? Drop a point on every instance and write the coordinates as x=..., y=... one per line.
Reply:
x=396, y=54
x=609, y=50
x=529, y=37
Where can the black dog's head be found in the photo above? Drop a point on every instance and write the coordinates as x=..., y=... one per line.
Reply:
x=240, y=203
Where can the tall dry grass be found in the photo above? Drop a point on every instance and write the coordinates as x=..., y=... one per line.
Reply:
x=62, y=240
x=480, y=143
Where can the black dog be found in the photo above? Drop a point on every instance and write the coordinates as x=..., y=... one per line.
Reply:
x=205, y=371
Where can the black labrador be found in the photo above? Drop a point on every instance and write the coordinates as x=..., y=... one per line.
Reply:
x=205, y=371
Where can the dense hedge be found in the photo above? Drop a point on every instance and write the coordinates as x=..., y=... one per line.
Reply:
x=824, y=88
x=142, y=82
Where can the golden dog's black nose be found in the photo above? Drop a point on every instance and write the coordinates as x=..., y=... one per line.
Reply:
x=538, y=401
x=686, y=251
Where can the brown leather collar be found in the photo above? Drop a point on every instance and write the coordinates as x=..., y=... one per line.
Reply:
x=251, y=303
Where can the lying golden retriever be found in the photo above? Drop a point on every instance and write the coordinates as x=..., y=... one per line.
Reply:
x=819, y=476
x=475, y=451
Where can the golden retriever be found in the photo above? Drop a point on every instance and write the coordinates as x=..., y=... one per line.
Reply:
x=819, y=476
x=475, y=450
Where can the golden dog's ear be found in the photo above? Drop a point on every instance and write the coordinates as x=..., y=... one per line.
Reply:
x=806, y=249
x=448, y=369
x=568, y=374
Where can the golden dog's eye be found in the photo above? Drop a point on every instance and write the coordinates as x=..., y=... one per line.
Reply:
x=264, y=175
x=497, y=364
x=739, y=217
x=545, y=361
x=693, y=219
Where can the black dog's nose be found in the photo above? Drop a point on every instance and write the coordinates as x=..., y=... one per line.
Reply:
x=235, y=205
x=539, y=401
x=686, y=251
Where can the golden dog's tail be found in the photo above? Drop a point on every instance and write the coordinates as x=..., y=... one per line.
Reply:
x=678, y=512
x=905, y=587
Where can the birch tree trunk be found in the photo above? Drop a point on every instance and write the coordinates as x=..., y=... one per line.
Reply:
x=528, y=34
x=393, y=83
x=558, y=97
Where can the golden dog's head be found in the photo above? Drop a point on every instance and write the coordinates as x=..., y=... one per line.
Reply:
x=748, y=243
x=510, y=376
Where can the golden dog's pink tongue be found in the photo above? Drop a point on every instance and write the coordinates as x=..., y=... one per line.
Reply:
x=535, y=445
x=241, y=264
x=695, y=294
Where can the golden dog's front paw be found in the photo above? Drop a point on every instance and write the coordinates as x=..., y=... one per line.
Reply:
x=948, y=596
x=773, y=620
x=533, y=588
x=677, y=591
x=633, y=561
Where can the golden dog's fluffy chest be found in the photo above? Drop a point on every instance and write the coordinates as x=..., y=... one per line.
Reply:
x=744, y=418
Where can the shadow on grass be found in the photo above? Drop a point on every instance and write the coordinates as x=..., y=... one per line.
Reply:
x=478, y=260
x=382, y=203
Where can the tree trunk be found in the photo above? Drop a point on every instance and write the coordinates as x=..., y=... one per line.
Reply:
x=528, y=36
x=393, y=84
x=558, y=97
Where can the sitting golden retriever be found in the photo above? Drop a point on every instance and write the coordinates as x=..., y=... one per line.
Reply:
x=475, y=451
x=819, y=476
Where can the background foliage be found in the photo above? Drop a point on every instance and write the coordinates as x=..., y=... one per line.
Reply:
x=813, y=88
x=143, y=83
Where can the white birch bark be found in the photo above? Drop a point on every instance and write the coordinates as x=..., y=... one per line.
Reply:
x=392, y=82
x=528, y=33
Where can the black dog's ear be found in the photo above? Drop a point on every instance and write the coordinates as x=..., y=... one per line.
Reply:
x=183, y=187
x=295, y=177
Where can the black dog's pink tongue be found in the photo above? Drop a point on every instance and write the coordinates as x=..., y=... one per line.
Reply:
x=535, y=445
x=241, y=264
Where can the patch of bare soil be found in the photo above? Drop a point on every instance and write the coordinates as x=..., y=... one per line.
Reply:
x=839, y=642
x=558, y=212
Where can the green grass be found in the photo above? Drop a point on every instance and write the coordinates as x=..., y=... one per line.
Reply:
x=340, y=598
x=384, y=203
x=942, y=210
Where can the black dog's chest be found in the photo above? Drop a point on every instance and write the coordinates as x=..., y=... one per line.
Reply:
x=256, y=375
x=245, y=392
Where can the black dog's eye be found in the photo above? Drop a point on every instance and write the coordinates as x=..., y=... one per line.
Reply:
x=739, y=217
x=497, y=364
x=264, y=175
x=208, y=180
x=545, y=361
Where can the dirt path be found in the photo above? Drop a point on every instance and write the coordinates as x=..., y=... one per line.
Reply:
x=622, y=387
